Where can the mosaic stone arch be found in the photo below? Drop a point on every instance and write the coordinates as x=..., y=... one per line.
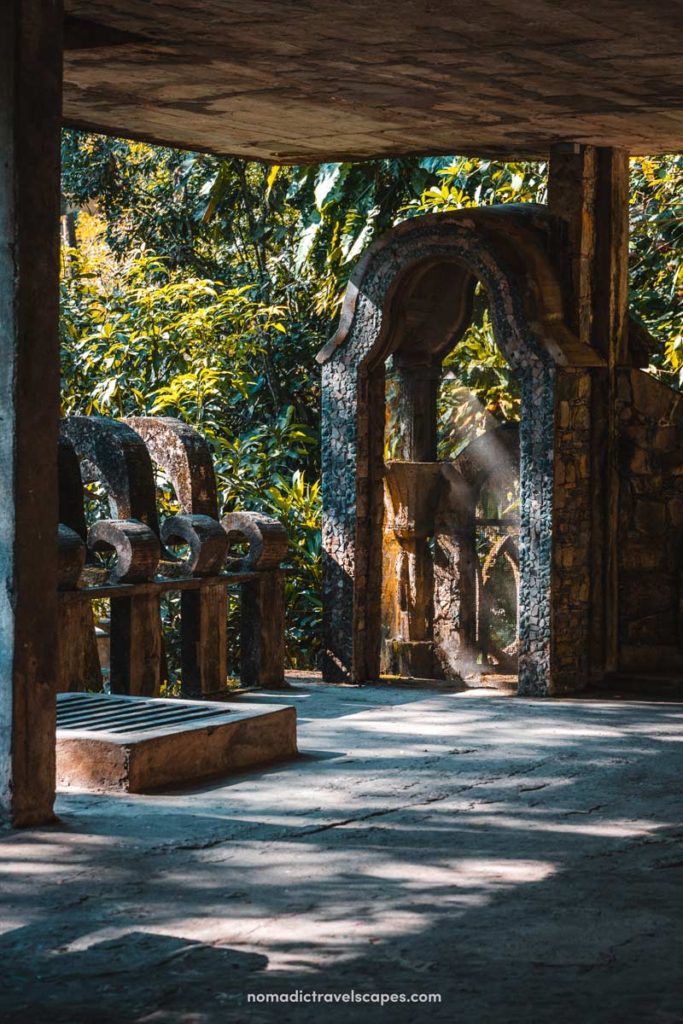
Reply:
x=507, y=250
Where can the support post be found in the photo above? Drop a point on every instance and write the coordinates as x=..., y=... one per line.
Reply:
x=262, y=639
x=610, y=336
x=204, y=647
x=572, y=195
x=135, y=645
x=77, y=660
x=30, y=115
x=416, y=414
x=589, y=189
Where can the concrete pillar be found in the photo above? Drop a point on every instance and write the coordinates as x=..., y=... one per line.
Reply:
x=262, y=636
x=418, y=389
x=30, y=114
x=204, y=645
x=589, y=189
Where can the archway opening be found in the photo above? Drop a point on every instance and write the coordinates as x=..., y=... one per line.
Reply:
x=450, y=529
x=411, y=298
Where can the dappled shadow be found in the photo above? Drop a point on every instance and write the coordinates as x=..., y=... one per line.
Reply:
x=161, y=967
x=517, y=857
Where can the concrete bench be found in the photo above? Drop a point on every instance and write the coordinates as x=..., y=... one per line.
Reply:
x=122, y=455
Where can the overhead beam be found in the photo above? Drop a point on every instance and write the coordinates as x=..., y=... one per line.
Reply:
x=30, y=114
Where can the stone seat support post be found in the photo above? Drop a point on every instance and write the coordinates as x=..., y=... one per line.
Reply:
x=114, y=454
x=263, y=597
x=184, y=455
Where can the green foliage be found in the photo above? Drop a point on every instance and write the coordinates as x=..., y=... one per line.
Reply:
x=147, y=338
x=477, y=388
x=655, y=264
x=202, y=288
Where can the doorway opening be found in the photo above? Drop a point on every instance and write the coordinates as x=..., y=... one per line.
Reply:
x=450, y=531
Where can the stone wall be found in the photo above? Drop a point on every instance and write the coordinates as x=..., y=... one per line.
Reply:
x=572, y=534
x=650, y=527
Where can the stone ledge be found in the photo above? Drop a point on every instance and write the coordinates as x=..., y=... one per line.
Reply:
x=112, y=743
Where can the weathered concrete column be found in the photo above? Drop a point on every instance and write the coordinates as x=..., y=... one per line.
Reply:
x=204, y=648
x=30, y=102
x=136, y=645
x=262, y=637
x=418, y=388
x=589, y=188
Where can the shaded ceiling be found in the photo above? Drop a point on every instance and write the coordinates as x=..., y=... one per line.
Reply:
x=310, y=80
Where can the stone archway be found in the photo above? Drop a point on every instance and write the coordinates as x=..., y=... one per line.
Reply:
x=413, y=289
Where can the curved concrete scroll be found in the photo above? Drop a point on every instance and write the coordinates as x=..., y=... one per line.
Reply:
x=118, y=456
x=267, y=539
x=70, y=484
x=70, y=559
x=137, y=548
x=207, y=540
x=186, y=458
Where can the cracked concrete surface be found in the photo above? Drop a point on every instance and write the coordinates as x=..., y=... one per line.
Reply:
x=520, y=858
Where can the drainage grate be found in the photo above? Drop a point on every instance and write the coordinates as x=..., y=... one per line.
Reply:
x=93, y=712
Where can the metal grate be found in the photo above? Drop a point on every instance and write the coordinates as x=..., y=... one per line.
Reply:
x=92, y=712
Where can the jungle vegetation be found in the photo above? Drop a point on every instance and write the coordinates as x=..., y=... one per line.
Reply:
x=202, y=288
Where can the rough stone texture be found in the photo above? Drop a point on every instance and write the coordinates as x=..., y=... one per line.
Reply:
x=71, y=557
x=78, y=664
x=266, y=537
x=137, y=548
x=185, y=456
x=650, y=462
x=521, y=858
x=262, y=631
x=70, y=487
x=572, y=533
x=77, y=659
x=136, y=645
x=204, y=641
x=504, y=249
x=588, y=188
x=122, y=454
x=206, y=539
x=327, y=80
x=117, y=455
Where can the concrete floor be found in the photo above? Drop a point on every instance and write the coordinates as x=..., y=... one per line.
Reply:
x=517, y=857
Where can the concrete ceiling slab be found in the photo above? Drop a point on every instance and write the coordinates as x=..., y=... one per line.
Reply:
x=315, y=80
